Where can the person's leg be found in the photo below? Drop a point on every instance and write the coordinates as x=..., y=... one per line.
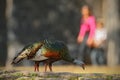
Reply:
x=86, y=56
x=82, y=49
x=101, y=59
x=94, y=57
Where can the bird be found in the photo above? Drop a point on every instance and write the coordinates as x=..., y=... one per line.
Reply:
x=48, y=52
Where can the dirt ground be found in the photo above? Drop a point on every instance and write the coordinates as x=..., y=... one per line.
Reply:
x=61, y=73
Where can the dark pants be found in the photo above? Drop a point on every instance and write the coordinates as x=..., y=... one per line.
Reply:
x=84, y=52
x=98, y=56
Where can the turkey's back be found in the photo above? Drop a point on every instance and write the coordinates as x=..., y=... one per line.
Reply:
x=55, y=49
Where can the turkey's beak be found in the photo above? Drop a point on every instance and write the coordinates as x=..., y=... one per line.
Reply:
x=83, y=66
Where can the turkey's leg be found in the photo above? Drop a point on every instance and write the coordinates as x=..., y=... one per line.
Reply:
x=37, y=66
x=50, y=67
x=50, y=63
x=46, y=64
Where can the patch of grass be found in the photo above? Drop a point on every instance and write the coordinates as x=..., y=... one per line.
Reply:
x=51, y=76
x=73, y=78
x=1, y=78
x=32, y=74
x=33, y=78
x=109, y=77
x=17, y=74
x=80, y=78
x=22, y=79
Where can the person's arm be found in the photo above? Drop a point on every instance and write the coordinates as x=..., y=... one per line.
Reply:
x=92, y=26
x=81, y=33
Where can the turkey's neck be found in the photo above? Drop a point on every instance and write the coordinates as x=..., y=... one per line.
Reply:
x=69, y=59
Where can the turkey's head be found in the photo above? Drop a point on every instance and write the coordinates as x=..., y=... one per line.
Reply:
x=81, y=63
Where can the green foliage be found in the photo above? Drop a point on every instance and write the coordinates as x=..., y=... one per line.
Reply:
x=52, y=76
x=33, y=74
x=14, y=75
x=109, y=77
x=73, y=78
x=18, y=74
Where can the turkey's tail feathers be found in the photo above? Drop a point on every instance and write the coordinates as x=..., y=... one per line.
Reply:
x=20, y=56
x=16, y=60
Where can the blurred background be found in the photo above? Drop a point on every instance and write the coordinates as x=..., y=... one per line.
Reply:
x=25, y=21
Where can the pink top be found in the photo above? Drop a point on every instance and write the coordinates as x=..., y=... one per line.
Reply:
x=89, y=25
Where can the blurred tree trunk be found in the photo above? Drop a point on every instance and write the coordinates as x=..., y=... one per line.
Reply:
x=3, y=33
x=111, y=14
x=10, y=23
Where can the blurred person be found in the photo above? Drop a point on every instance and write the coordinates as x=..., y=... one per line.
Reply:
x=99, y=42
x=87, y=25
x=100, y=35
x=87, y=30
